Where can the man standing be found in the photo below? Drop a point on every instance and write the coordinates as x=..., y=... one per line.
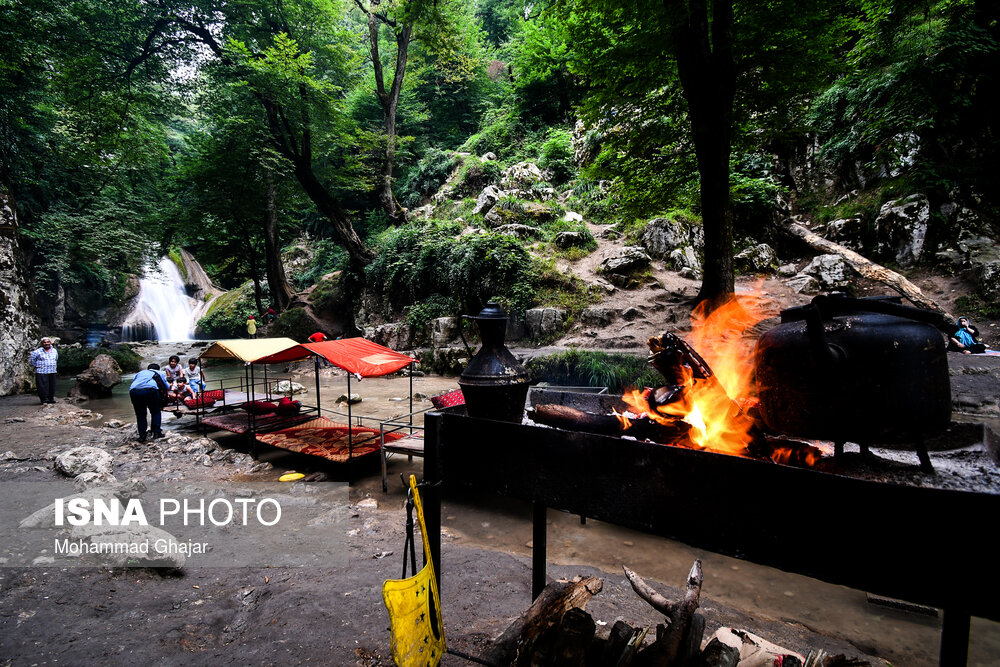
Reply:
x=44, y=360
x=146, y=393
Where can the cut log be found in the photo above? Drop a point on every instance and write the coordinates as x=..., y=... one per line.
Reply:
x=546, y=612
x=867, y=268
x=571, y=419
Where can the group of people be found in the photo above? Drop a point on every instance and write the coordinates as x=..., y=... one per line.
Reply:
x=269, y=317
x=153, y=389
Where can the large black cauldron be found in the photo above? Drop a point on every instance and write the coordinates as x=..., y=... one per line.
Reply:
x=495, y=384
x=858, y=370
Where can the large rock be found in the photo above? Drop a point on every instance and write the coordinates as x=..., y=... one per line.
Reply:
x=756, y=259
x=539, y=213
x=567, y=240
x=84, y=459
x=395, y=335
x=624, y=261
x=830, y=271
x=18, y=314
x=444, y=331
x=901, y=229
x=597, y=316
x=848, y=232
x=519, y=231
x=544, y=322
x=521, y=176
x=685, y=262
x=664, y=235
x=100, y=378
x=486, y=199
x=289, y=387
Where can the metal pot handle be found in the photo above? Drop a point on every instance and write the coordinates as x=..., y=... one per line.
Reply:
x=830, y=305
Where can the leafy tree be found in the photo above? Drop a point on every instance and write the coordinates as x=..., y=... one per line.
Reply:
x=717, y=61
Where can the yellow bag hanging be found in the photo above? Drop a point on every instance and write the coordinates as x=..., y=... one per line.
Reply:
x=413, y=603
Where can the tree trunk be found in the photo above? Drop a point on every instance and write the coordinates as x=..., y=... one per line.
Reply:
x=703, y=48
x=361, y=255
x=389, y=101
x=281, y=293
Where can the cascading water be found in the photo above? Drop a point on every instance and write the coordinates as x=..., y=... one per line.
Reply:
x=163, y=311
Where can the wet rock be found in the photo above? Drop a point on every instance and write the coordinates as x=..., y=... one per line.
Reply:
x=756, y=259
x=901, y=229
x=287, y=386
x=100, y=377
x=92, y=480
x=624, y=261
x=84, y=459
x=542, y=322
x=349, y=400
x=114, y=423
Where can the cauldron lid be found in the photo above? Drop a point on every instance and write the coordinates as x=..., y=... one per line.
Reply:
x=492, y=311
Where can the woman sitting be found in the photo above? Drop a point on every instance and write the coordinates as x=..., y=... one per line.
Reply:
x=964, y=340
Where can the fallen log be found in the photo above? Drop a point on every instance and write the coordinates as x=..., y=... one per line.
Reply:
x=546, y=612
x=867, y=268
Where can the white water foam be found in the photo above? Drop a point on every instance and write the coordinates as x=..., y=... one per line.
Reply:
x=163, y=311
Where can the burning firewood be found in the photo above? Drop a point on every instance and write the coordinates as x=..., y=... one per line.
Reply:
x=561, y=416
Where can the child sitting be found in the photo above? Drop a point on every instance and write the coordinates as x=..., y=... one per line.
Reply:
x=179, y=391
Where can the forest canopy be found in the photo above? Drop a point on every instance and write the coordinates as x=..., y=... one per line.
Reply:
x=231, y=129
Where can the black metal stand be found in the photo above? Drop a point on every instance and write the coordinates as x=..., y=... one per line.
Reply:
x=955, y=626
x=538, y=519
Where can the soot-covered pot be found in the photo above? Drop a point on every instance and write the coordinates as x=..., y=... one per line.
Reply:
x=495, y=384
x=859, y=370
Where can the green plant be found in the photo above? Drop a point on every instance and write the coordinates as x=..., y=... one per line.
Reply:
x=616, y=371
x=556, y=155
x=436, y=305
x=973, y=305
x=294, y=323
x=476, y=174
x=178, y=259
x=227, y=315
x=510, y=203
x=424, y=179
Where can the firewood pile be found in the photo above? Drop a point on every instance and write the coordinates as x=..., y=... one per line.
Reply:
x=556, y=630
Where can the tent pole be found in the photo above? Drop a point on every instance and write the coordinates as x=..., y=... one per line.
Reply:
x=350, y=431
x=252, y=432
x=319, y=408
x=411, y=398
x=267, y=387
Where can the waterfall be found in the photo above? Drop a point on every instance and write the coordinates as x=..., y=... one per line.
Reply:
x=163, y=309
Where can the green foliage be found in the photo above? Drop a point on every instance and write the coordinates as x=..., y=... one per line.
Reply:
x=476, y=174
x=227, y=315
x=510, y=203
x=416, y=262
x=436, y=305
x=329, y=257
x=426, y=177
x=74, y=360
x=975, y=307
x=499, y=130
x=589, y=368
x=557, y=155
x=294, y=323
x=328, y=297
x=175, y=256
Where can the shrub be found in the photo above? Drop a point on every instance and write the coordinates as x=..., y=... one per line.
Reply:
x=227, y=316
x=73, y=360
x=556, y=155
x=416, y=262
x=294, y=323
x=475, y=175
x=424, y=179
x=589, y=368
x=329, y=257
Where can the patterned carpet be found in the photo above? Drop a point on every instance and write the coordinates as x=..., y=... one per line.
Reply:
x=328, y=439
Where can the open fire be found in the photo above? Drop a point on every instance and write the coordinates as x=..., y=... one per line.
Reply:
x=708, y=400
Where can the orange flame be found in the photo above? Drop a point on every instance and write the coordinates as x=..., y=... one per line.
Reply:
x=710, y=406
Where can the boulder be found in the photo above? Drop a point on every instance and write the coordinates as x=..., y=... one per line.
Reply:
x=542, y=322
x=567, y=240
x=444, y=331
x=624, y=261
x=349, y=400
x=901, y=229
x=598, y=317
x=572, y=216
x=848, y=232
x=498, y=217
x=521, y=176
x=538, y=212
x=486, y=199
x=988, y=278
x=489, y=157
x=663, y=235
x=395, y=335
x=830, y=271
x=802, y=283
x=756, y=259
x=84, y=459
x=519, y=231
x=685, y=262
x=18, y=312
x=288, y=387
x=601, y=285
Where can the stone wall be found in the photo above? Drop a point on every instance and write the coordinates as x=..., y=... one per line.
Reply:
x=18, y=316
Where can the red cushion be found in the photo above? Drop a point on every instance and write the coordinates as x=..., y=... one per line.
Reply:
x=214, y=394
x=259, y=407
x=448, y=400
x=287, y=407
x=200, y=402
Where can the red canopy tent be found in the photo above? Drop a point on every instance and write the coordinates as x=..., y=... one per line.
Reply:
x=358, y=356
